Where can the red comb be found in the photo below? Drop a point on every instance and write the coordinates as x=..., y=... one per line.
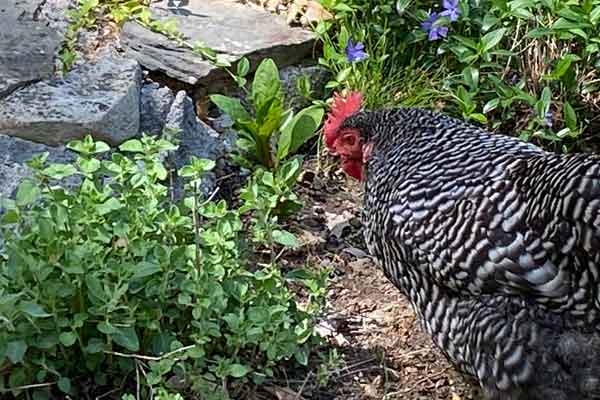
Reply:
x=342, y=108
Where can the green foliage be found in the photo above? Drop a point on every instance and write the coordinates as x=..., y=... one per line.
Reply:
x=268, y=133
x=270, y=195
x=102, y=276
x=522, y=66
x=388, y=77
x=90, y=13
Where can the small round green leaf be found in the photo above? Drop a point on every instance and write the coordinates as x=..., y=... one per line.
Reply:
x=64, y=384
x=67, y=338
x=238, y=370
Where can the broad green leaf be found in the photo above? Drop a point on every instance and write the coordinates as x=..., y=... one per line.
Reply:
x=342, y=7
x=64, y=384
x=95, y=291
x=108, y=206
x=285, y=238
x=133, y=145
x=471, y=77
x=238, y=370
x=489, y=20
x=89, y=165
x=243, y=67
x=231, y=106
x=402, y=6
x=33, y=309
x=301, y=355
x=595, y=15
x=478, y=117
x=491, y=105
x=342, y=37
x=301, y=127
x=491, y=39
x=27, y=193
x=343, y=75
x=127, y=338
x=95, y=345
x=266, y=86
x=546, y=98
x=466, y=41
x=16, y=350
x=565, y=24
x=539, y=32
x=563, y=66
x=101, y=147
x=67, y=338
x=570, y=117
x=145, y=269
x=59, y=171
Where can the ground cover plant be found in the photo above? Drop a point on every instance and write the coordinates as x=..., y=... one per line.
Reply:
x=527, y=67
x=269, y=133
x=105, y=284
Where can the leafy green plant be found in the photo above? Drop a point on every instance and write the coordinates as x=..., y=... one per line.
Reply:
x=268, y=132
x=501, y=61
x=89, y=13
x=105, y=278
x=270, y=194
x=386, y=77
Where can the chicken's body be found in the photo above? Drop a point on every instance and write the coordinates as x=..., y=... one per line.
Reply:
x=496, y=243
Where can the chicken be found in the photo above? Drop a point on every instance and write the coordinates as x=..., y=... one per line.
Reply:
x=495, y=243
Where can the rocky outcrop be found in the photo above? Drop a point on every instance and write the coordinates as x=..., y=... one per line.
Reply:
x=227, y=27
x=155, y=104
x=103, y=95
x=28, y=45
x=101, y=99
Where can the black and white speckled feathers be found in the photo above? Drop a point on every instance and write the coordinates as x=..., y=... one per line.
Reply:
x=496, y=243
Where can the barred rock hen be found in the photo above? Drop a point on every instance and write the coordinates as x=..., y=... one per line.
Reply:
x=495, y=242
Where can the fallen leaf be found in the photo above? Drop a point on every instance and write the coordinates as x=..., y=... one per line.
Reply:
x=337, y=222
x=371, y=390
x=315, y=12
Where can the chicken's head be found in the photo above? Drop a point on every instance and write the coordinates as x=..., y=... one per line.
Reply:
x=347, y=142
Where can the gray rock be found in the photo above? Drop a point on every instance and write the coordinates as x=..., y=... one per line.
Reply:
x=155, y=103
x=27, y=45
x=54, y=13
x=13, y=155
x=195, y=139
x=229, y=28
x=101, y=99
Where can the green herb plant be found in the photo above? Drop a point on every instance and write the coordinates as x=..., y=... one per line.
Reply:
x=269, y=134
x=103, y=277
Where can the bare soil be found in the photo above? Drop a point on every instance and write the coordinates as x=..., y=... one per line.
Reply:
x=383, y=351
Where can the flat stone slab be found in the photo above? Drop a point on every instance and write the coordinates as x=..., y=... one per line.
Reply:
x=101, y=99
x=226, y=26
x=27, y=45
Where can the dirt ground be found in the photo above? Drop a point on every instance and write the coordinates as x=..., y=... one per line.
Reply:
x=382, y=351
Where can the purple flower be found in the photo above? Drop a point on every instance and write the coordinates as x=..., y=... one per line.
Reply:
x=355, y=52
x=451, y=9
x=434, y=30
